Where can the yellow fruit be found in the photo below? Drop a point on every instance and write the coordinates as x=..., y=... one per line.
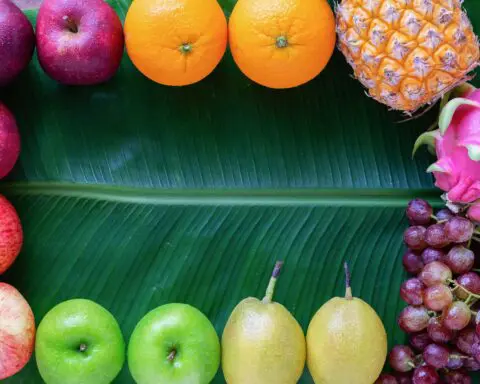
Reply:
x=408, y=53
x=346, y=342
x=262, y=342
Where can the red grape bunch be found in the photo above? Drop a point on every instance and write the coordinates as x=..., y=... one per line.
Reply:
x=443, y=297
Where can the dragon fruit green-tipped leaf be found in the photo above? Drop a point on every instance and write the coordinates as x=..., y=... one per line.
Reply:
x=457, y=147
x=427, y=138
x=449, y=110
x=473, y=151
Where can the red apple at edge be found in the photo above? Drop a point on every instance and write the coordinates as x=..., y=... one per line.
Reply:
x=11, y=236
x=9, y=141
x=17, y=41
x=79, y=42
x=17, y=331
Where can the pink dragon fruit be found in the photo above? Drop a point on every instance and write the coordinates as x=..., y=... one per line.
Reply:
x=457, y=145
x=474, y=212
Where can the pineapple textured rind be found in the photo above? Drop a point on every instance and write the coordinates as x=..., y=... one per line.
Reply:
x=408, y=53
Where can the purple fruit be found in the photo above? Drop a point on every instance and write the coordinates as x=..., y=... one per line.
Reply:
x=9, y=140
x=17, y=42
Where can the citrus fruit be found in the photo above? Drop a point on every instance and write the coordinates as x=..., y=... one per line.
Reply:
x=175, y=42
x=282, y=43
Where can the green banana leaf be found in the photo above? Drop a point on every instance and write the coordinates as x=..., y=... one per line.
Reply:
x=135, y=195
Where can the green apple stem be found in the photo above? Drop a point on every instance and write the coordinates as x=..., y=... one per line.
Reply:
x=82, y=347
x=172, y=355
x=348, y=289
x=70, y=24
x=273, y=280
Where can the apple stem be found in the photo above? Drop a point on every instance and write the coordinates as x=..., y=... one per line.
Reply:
x=172, y=355
x=82, y=347
x=273, y=280
x=348, y=289
x=70, y=24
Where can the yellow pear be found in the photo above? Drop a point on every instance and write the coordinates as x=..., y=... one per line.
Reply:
x=346, y=341
x=262, y=342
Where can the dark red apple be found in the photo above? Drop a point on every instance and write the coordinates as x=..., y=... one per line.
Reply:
x=17, y=41
x=9, y=141
x=79, y=42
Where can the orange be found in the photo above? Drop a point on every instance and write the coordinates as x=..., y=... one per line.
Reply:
x=282, y=43
x=175, y=42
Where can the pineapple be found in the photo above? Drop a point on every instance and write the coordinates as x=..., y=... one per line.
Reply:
x=408, y=53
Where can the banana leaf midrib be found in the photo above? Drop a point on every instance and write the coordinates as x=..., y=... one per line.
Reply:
x=235, y=197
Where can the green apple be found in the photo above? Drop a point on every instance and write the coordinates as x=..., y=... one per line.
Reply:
x=174, y=344
x=79, y=342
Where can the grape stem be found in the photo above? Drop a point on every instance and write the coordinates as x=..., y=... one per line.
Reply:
x=474, y=313
x=411, y=364
x=460, y=356
x=438, y=220
x=470, y=294
x=469, y=298
x=273, y=281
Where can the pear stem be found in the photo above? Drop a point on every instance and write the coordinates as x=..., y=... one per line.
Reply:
x=348, y=288
x=271, y=285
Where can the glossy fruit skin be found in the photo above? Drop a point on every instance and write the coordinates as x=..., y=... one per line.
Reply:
x=403, y=58
x=425, y=375
x=282, y=43
x=411, y=291
x=92, y=55
x=17, y=331
x=17, y=41
x=401, y=357
x=262, y=343
x=61, y=333
x=430, y=255
x=9, y=141
x=413, y=318
x=11, y=234
x=470, y=281
x=386, y=379
x=419, y=212
x=178, y=42
x=346, y=343
x=159, y=332
x=457, y=170
x=412, y=262
x=420, y=340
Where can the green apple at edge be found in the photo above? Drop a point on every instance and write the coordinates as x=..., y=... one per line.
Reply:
x=174, y=344
x=79, y=342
